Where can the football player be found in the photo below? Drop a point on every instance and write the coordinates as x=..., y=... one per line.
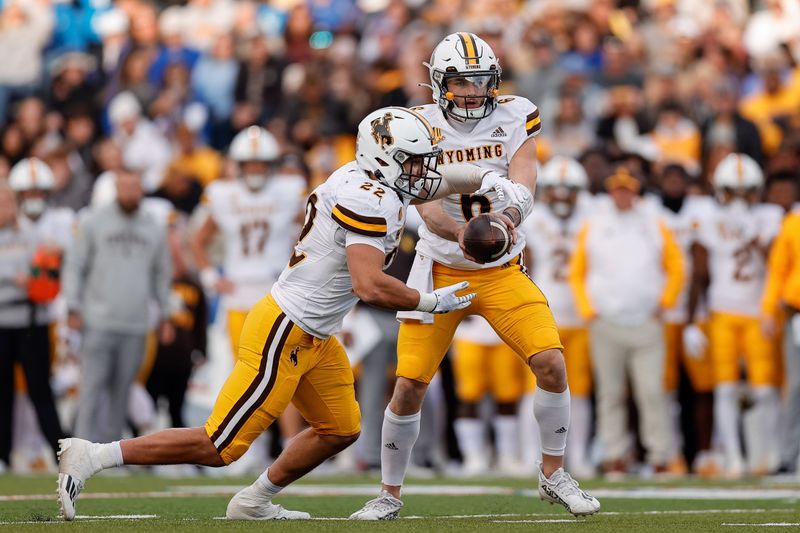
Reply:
x=496, y=132
x=551, y=232
x=354, y=222
x=257, y=216
x=733, y=239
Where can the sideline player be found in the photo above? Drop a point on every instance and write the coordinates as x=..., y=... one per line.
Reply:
x=733, y=241
x=256, y=214
x=552, y=233
x=495, y=132
x=354, y=222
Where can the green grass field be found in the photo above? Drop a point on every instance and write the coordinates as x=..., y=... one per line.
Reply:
x=146, y=503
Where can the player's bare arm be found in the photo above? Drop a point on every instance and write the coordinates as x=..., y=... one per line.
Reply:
x=209, y=277
x=374, y=287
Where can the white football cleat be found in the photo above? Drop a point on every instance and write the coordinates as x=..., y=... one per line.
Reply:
x=75, y=466
x=384, y=507
x=246, y=505
x=562, y=489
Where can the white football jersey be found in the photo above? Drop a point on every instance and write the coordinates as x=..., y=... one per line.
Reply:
x=488, y=143
x=737, y=269
x=315, y=289
x=551, y=241
x=56, y=227
x=259, y=229
x=684, y=226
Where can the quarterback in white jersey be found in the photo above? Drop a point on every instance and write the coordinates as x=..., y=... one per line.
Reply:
x=477, y=125
x=257, y=216
x=287, y=353
x=734, y=235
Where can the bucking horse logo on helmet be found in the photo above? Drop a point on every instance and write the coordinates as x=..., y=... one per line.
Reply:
x=381, y=132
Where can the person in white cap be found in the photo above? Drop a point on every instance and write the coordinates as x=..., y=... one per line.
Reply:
x=144, y=148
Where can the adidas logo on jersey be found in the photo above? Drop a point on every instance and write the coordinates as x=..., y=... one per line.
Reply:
x=391, y=446
x=562, y=429
x=499, y=132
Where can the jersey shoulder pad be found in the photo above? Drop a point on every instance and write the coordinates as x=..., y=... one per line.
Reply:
x=362, y=208
x=217, y=192
x=520, y=110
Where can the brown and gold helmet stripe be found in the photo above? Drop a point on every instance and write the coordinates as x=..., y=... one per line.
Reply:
x=470, y=47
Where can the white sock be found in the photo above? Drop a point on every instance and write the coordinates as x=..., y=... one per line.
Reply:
x=765, y=411
x=552, y=412
x=398, y=436
x=580, y=425
x=529, y=434
x=726, y=420
x=506, y=432
x=470, y=435
x=265, y=487
x=109, y=454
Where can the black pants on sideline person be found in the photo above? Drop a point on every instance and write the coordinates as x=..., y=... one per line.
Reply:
x=30, y=346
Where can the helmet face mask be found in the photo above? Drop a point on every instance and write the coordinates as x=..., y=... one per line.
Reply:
x=398, y=147
x=419, y=178
x=465, y=77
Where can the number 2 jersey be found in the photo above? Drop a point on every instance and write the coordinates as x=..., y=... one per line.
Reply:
x=736, y=265
x=315, y=289
x=488, y=143
x=259, y=229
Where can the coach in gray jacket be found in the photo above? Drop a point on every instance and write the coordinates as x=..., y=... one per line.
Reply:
x=117, y=265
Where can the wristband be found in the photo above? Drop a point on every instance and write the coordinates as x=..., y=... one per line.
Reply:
x=427, y=302
x=514, y=214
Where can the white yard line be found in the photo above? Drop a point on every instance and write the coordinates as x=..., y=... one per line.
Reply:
x=650, y=493
x=768, y=524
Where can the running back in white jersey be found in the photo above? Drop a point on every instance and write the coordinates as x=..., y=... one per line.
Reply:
x=736, y=267
x=488, y=143
x=315, y=289
x=259, y=229
x=684, y=226
x=551, y=241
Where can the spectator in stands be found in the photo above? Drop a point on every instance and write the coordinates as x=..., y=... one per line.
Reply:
x=727, y=130
x=214, y=80
x=258, y=84
x=626, y=270
x=25, y=28
x=114, y=243
x=143, y=147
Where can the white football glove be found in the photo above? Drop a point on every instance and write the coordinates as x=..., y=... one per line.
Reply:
x=694, y=341
x=502, y=186
x=445, y=300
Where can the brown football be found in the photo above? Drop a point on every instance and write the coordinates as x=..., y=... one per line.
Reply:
x=486, y=238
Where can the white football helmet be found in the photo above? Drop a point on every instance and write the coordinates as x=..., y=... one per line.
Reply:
x=563, y=171
x=390, y=137
x=31, y=174
x=559, y=182
x=738, y=181
x=738, y=171
x=469, y=58
x=254, y=144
